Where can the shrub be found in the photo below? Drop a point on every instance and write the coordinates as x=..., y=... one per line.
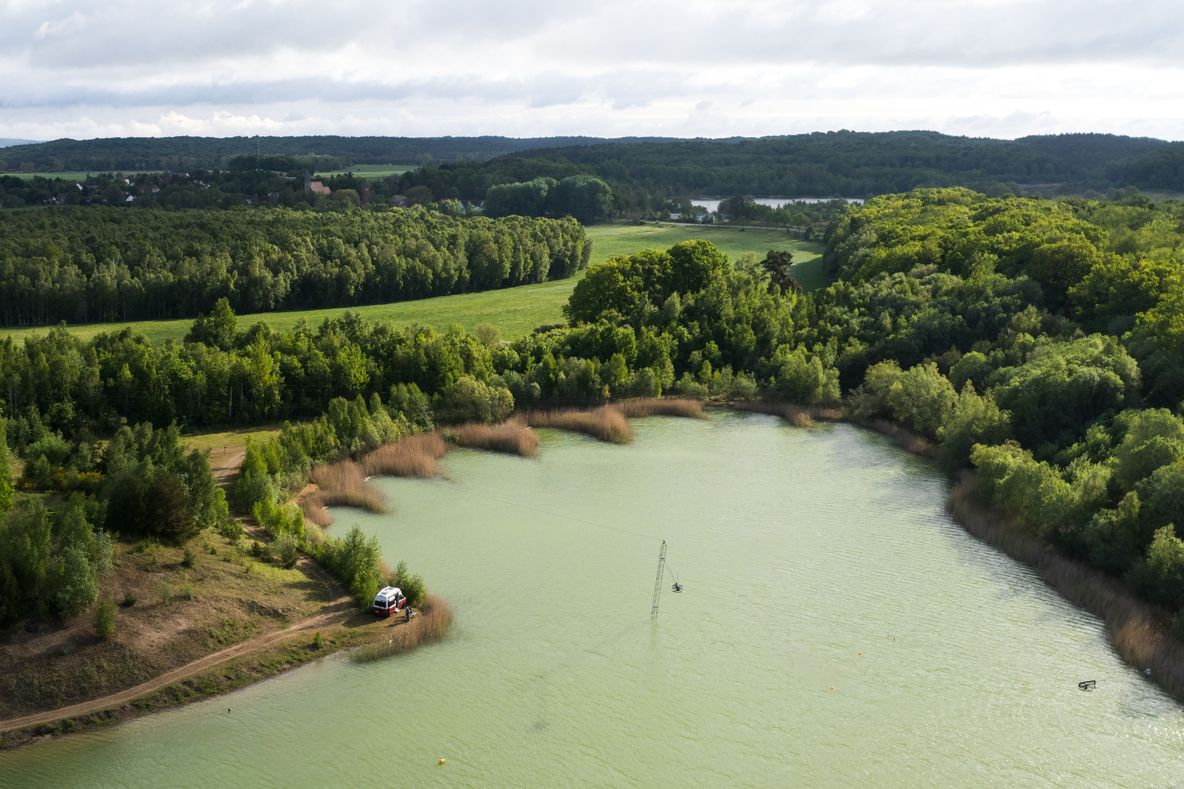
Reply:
x=286, y=550
x=470, y=400
x=105, y=619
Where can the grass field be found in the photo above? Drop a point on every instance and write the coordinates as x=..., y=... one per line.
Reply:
x=515, y=311
x=68, y=175
x=370, y=170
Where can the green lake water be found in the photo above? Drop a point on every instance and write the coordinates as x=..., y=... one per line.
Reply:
x=836, y=629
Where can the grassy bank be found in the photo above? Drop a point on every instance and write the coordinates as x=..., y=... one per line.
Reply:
x=514, y=311
x=174, y=605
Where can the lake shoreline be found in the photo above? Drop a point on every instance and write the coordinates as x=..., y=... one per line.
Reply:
x=1139, y=632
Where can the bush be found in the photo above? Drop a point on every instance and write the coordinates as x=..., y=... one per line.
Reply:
x=410, y=584
x=105, y=619
x=286, y=550
x=470, y=400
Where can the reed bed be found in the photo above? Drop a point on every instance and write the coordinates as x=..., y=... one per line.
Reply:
x=414, y=456
x=661, y=406
x=904, y=438
x=343, y=483
x=432, y=624
x=513, y=437
x=606, y=423
x=1139, y=632
x=314, y=510
x=796, y=415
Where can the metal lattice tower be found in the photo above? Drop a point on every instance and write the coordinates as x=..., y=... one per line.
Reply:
x=658, y=582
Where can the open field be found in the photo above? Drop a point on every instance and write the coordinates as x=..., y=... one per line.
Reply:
x=69, y=175
x=370, y=170
x=515, y=311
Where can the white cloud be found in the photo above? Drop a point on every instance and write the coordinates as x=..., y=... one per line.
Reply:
x=535, y=67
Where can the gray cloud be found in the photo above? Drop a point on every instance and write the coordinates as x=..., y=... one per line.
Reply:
x=708, y=67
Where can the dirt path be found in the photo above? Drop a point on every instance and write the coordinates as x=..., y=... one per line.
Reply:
x=337, y=613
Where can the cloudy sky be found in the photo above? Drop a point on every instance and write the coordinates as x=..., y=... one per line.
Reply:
x=1000, y=68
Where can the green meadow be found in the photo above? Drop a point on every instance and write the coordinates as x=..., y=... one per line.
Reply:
x=370, y=170
x=514, y=311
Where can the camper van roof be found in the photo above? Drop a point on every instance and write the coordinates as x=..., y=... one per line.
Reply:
x=388, y=592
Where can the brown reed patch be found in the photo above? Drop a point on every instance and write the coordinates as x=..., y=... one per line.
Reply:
x=343, y=484
x=661, y=406
x=904, y=438
x=413, y=456
x=796, y=415
x=513, y=437
x=314, y=510
x=1138, y=631
x=432, y=624
x=606, y=423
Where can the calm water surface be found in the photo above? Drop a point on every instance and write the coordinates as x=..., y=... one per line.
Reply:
x=835, y=629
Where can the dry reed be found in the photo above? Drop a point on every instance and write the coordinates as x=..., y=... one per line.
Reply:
x=796, y=415
x=661, y=406
x=1138, y=631
x=314, y=510
x=514, y=437
x=343, y=483
x=431, y=624
x=606, y=423
x=414, y=456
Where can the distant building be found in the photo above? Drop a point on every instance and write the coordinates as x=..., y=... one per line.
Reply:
x=318, y=187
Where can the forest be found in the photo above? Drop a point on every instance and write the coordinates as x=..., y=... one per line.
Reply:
x=828, y=164
x=103, y=264
x=1039, y=342
x=139, y=154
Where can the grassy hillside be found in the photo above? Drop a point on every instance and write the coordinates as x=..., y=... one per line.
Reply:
x=515, y=311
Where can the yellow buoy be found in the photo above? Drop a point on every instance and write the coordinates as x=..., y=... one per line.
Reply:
x=441, y=760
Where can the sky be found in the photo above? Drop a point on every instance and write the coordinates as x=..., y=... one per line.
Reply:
x=525, y=68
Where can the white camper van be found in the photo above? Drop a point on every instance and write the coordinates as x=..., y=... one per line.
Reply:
x=388, y=600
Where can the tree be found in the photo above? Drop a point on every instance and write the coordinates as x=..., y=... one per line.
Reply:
x=777, y=264
x=217, y=329
x=6, y=493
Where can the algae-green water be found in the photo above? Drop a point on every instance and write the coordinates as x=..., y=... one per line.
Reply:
x=836, y=628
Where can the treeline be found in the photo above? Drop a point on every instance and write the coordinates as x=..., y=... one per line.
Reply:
x=138, y=154
x=104, y=264
x=849, y=164
x=1040, y=342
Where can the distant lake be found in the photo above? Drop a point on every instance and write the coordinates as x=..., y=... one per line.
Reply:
x=712, y=203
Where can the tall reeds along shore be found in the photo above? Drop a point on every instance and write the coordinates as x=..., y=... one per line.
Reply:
x=339, y=484
x=1139, y=631
x=431, y=624
x=797, y=415
x=605, y=423
x=661, y=406
x=513, y=437
x=413, y=456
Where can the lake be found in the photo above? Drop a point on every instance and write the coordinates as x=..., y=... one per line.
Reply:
x=712, y=203
x=835, y=628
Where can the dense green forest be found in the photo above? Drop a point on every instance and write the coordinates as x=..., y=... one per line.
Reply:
x=823, y=164
x=103, y=264
x=137, y=154
x=1040, y=342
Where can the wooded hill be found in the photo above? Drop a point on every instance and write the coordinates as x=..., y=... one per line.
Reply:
x=825, y=164
x=136, y=154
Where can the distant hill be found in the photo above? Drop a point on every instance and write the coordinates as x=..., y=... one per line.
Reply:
x=129, y=154
x=849, y=164
x=5, y=142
